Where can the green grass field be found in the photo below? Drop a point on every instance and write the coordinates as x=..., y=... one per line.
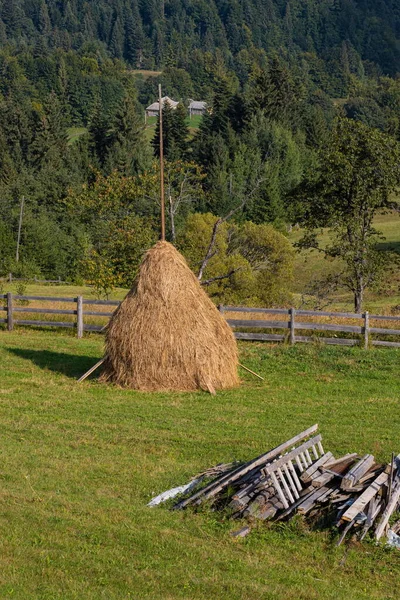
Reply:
x=80, y=462
x=74, y=133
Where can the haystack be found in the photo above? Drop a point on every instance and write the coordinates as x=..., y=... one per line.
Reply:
x=167, y=334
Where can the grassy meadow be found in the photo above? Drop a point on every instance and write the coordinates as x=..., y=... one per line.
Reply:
x=80, y=462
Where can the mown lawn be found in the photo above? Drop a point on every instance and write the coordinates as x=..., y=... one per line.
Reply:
x=78, y=463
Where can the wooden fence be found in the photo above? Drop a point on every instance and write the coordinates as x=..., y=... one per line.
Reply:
x=292, y=325
x=11, y=278
x=13, y=307
x=291, y=321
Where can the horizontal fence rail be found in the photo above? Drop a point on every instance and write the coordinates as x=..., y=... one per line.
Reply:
x=290, y=325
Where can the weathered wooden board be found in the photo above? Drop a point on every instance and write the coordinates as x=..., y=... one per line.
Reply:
x=97, y=313
x=357, y=471
x=385, y=331
x=266, y=337
x=329, y=327
x=259, y=324
x=322, y=479
x=324, y=313
x=103, y=302
x=277, y=464
x=53, y=311
x=310, y=500
x=384, y=318
x=389, y=510
x=326, y=340
x=388, y=344
x=44, y=323
x=365, y=497
x=45, y=298
x=246, y=309
x=214, y=487
x=93, y=327
x=306, y=476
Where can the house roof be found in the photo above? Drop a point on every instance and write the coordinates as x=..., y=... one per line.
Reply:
x=197, y=105
x=156, y=105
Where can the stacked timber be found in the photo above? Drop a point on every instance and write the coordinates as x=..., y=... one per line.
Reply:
x=353, y=492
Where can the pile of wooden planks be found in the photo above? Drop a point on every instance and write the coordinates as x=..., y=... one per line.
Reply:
x=299, y=477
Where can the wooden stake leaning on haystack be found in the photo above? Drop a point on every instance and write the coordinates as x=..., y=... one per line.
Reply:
x=167, y=334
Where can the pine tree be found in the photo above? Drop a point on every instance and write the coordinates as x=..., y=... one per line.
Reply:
x=117, y=39
x=127, y=148
x=134, y=36
x=179, y=133
x=7, y=170
x=99, y=141
x=44, y=24
x=11, y=17
x=175, y=133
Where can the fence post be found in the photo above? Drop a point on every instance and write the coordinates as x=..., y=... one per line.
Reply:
x=10, y=315
x=221, y=308
x=10, y=277
x=292, y=314
x=366, y=330
x=79, y=316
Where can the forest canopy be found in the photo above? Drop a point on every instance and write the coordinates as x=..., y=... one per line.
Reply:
x=75, y=78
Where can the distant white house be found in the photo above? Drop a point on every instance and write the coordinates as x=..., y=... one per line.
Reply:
x=154, y=109
x=197, y=107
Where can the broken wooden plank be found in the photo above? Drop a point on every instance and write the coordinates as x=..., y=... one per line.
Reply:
x=293, y=507
x=343, y=460
x=358, y=470
x=306, y=475
x=279, y=490
x=240, y=533
x=294, y=475
x=387, y=513
x=345, y=530
x=365, y=497
x=269, y=511
x=374, y=508
x=292, y=485
x=311, y=499
x=396, y=527
x=299, y=464
x=277, y=464
x=371, y=473
x=322, y=480
x=216, y=486
x=390, y=484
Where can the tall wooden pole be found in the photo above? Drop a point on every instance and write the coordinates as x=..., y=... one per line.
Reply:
x=21, y=214
x=161, y=166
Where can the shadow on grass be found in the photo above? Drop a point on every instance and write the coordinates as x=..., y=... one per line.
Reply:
x=389, y=246
x=58, y=362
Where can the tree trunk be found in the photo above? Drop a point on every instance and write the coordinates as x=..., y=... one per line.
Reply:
x=358, y=300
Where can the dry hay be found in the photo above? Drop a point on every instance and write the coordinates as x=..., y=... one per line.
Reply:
x=167, y=334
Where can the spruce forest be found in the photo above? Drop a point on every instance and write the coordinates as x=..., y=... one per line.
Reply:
x=301, y=131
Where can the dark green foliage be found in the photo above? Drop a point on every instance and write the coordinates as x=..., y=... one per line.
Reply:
x=360, y=170
x=175, y=133
x=274, y=74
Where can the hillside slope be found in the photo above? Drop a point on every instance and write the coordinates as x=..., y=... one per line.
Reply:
x=156, y=32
